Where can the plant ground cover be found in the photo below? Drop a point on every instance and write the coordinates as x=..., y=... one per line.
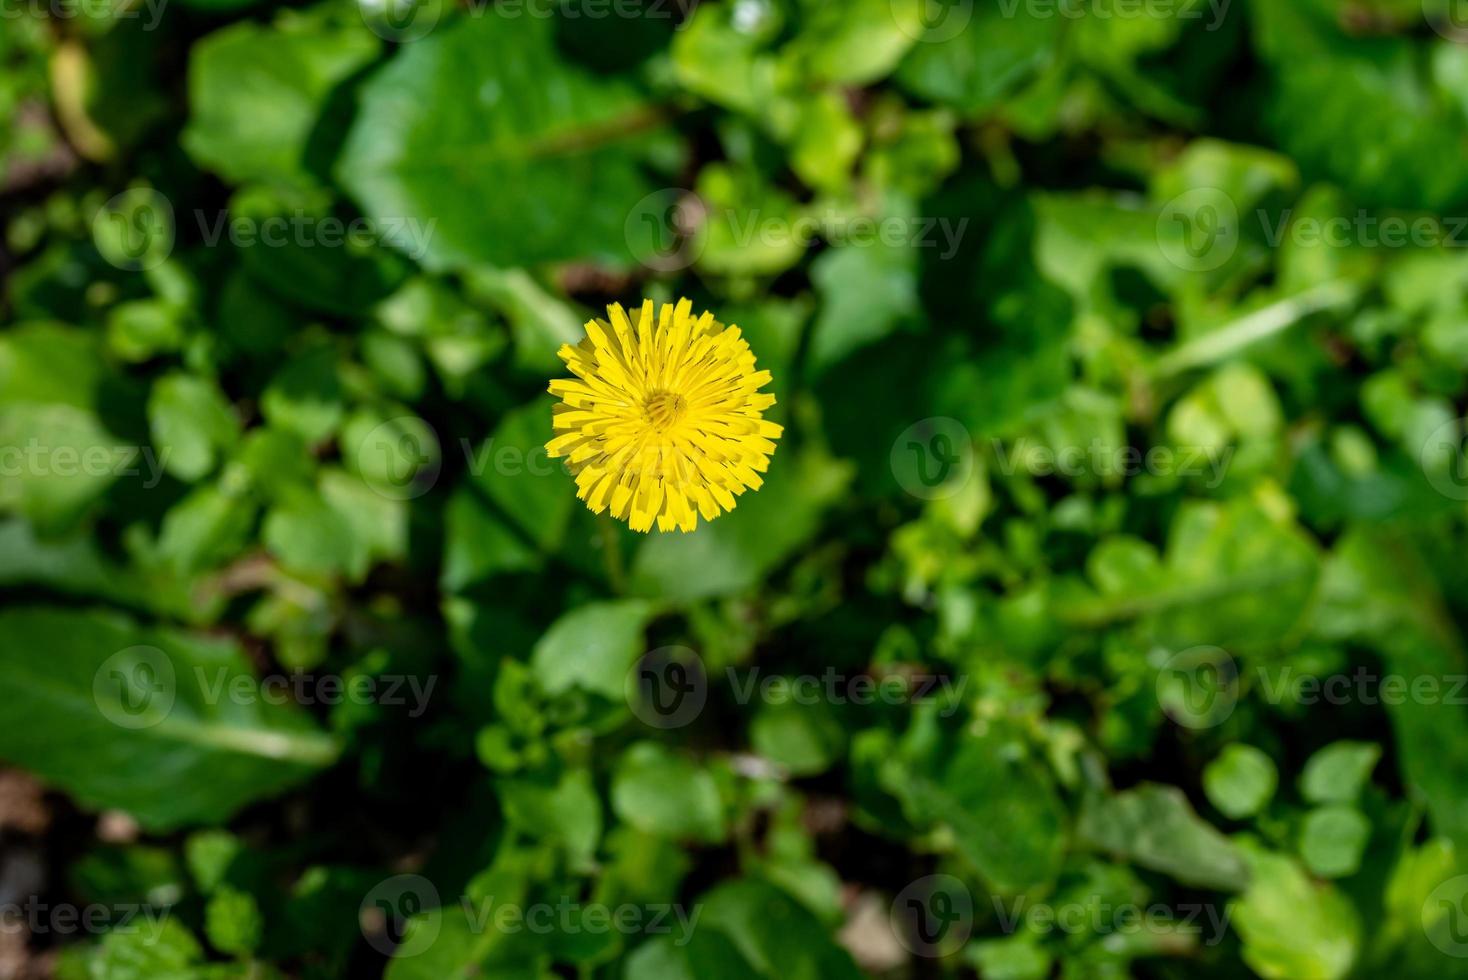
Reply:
x=1100, y=613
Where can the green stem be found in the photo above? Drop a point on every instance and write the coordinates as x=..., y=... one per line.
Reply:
x=611, y=546
x=1219, y=345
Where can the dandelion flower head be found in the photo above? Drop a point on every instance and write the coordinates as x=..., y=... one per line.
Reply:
x=663, y=422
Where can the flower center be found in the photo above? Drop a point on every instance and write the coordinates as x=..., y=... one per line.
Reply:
x=663, y=409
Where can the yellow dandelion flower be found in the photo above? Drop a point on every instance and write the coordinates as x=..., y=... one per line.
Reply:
x=663, y=419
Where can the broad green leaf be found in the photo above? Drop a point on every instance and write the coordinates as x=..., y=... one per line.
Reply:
x=592, y=647
x=513, y=174
x=665, y=793
x=1339, y=772
x=1293, y=927
x=192, y=424
x=1154, y=826
x=1241, y=781
x=169, y=726
x=999, y=804
x=1333, y=839
x=257, y=91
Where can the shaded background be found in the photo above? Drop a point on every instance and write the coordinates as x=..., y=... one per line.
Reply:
x=1100, y=615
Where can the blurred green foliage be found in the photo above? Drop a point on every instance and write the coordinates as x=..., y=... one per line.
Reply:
x=1100, y=615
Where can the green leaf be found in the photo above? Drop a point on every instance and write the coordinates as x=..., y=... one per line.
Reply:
x=305, y=396
x=1154, y=826
x=192, y=424
x=1001, y=806
x=1370, y=112
x=866, y=293
x=1338, y=772
x=592, y=647
x=61, y=461
x=144, y=720
x=1293, y=927
x=853, y=42
x=511, y=467
x=1241, y=781
x=310, y=536
x=1333, y=839
x=256, y=93
x=803, y=738
x=972, y=64
x=568, y=812
x=664, y=793
x=447, y=128
x=774, y=933
x=232, y=922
